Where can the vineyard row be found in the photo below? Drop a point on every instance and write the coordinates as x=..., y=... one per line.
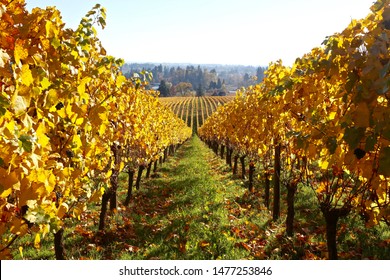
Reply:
x=321, y=124
x=70, y=122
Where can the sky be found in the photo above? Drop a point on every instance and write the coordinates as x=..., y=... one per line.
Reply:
x=243, y=32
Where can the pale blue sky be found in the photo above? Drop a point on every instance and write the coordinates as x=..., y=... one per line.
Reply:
x=247, y=32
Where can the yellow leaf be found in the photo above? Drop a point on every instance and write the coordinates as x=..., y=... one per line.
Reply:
x=37, y=241
x=4, y=193
x=67, y=171
x=121, y=166
x=26, y=75
x=324, y=164
x=48, y=27
x=69, y=110
x=9, y=130
x=43, y=140
x=74, y=54
x=81, y=88
x=332, y=115
x=37, y=175
x=51, y=31
x=42, y=178
x=120, y=80
x=19, y=104
x=102, y=129
x=51, y=181
x=45, y=83
x=20, y=52
x=77, y=212
x=102, y=114
x=62, y=210
x=51, y=98
x=61, y=112
x=76, y=141
x=340, y=42
x=97, y=195
x=79, y=121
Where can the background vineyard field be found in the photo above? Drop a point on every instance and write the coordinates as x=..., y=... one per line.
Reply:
x=195, y=110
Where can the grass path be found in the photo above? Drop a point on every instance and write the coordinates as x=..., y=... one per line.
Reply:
x=183, y=213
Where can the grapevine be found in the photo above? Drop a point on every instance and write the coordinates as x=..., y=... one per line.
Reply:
x=67, y=114
x=327, y=113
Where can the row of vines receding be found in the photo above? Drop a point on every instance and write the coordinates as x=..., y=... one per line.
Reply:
x=70, y=122
x=321, y=124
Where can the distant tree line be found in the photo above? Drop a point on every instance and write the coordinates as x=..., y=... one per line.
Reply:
x=184, y=80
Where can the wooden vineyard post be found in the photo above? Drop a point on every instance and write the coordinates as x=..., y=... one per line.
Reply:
x=235, y=164
x=148, y=170
x=130, y=181
x=165, y=155
x=155, y=166
x=332, y=216
x=139, y=176
x=267, y=188
x=276, y=206
x=105, y=198
x=291, y=190
x=229, y=157
x=251, y=173
x=243, y=172
x=59, y=244
x=114, y=176
x=110, y=193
